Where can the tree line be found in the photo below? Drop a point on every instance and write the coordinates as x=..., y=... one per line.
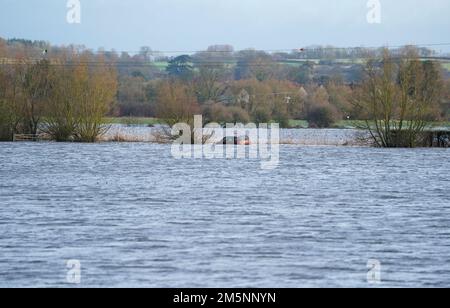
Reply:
x=64, y=98
x=66, y=91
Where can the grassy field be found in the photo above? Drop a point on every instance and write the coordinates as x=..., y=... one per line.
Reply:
x=298, y=123
x=446, y=65
x=297, y=62
x=161, y=65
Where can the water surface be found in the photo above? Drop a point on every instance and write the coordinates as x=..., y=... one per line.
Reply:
x=134, y=216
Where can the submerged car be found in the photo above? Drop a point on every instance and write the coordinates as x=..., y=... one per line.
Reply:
x=244, y=140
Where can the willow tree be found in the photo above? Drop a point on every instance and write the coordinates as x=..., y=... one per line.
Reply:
x=5, y=127
x=6, y=114
x=398, y=98
x=10, y=102
x=35, y=87
x=80, y=98
x=61, y=112
x=24, y=93
x=99, y=89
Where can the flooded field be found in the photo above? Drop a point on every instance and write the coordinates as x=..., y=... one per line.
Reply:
x=134, y=216
x=332, y=137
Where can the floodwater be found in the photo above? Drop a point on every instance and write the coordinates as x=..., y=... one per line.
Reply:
x=334, y=137
x=135, y=217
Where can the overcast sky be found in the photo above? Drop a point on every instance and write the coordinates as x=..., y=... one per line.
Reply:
x=194, y=24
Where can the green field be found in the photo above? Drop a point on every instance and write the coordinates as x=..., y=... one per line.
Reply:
x=297, y=62
x=161, y=65
x=298, y=123
x=446, y=65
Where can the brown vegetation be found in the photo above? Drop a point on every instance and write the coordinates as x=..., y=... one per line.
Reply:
x=69, y=90
x=176, y=102
x=399, y=97
x=66, y=99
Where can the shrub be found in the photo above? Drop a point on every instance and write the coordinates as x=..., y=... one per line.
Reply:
x=217, y=113
x=321, y=117
x=262, y=115
x=176, y=102
x=239, y=115
x=223, y=114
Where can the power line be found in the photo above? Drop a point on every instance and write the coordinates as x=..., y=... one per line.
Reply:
x=200, y=64
x=214, y=62
x=297, y=49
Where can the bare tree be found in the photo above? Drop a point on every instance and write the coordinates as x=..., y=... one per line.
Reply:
x=61, y=110
x=35, y=87
x=209, y=85
x=10, y=102
x=80, y=98
x=397, y=97
x=176, y=102
x=99, y=92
